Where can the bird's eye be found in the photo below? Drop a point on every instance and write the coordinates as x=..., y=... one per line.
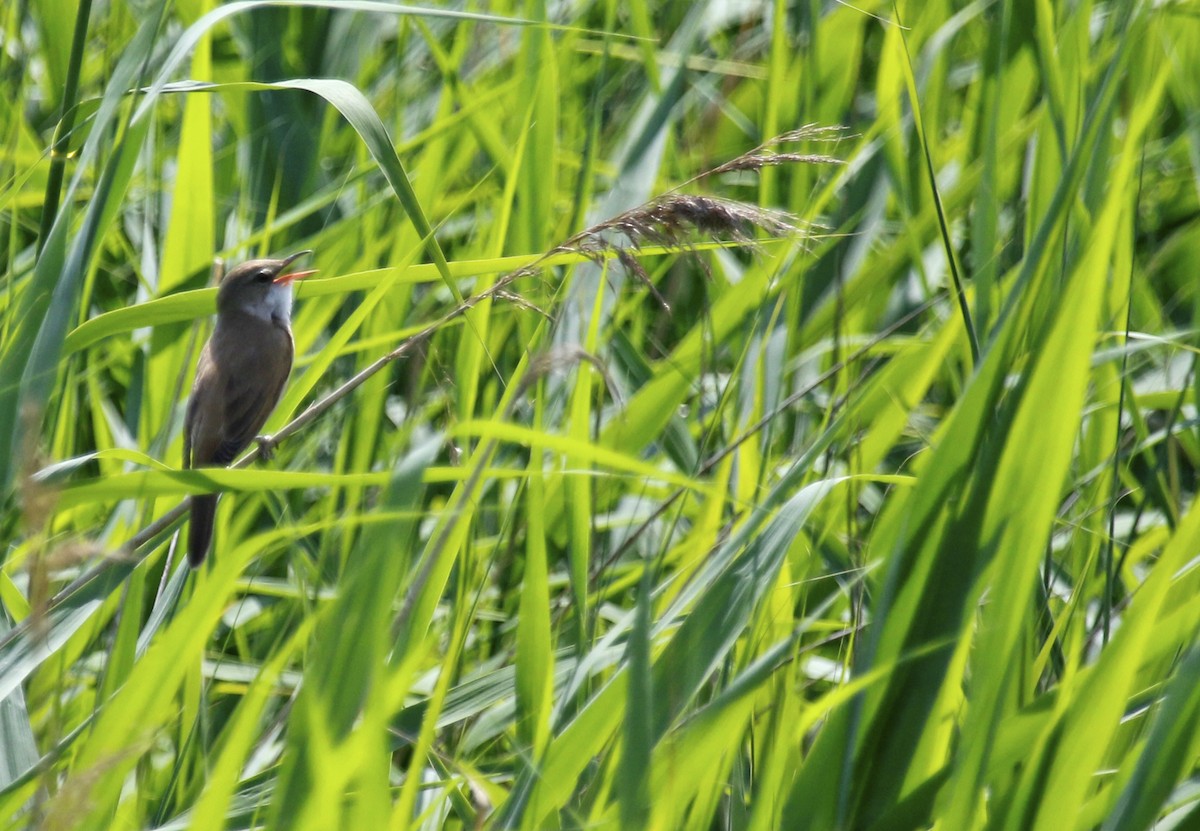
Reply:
x=264, y=275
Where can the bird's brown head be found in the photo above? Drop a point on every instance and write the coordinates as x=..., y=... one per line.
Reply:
x=262, y=288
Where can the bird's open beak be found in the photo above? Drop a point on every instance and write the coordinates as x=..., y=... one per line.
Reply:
x=284, y=279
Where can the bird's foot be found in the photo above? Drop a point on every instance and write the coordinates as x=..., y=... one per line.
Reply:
x=266, y=447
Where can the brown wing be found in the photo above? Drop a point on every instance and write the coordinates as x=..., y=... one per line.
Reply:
x=201, y=428
x=201, y=434
x=253, y=383
x=239, y=380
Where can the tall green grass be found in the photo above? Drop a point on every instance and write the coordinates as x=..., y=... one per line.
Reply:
x=639, y=469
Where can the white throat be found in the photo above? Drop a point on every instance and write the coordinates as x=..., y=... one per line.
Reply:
x=274, y=305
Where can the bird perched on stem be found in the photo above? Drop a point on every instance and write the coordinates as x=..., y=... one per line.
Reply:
x=240, y=376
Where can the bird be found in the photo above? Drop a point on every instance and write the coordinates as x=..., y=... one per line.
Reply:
x=239, y=378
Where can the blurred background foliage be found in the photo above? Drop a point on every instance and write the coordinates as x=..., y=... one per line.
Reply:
x=839, y=481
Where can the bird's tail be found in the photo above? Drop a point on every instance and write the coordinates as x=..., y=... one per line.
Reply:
x=200, y=529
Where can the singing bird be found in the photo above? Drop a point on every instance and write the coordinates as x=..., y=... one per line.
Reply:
x=239, y=378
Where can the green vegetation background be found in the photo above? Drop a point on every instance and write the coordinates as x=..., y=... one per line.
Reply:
x=885, y=521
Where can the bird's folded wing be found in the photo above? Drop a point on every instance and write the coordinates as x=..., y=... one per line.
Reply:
x=253, y=383
x=246, y=410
